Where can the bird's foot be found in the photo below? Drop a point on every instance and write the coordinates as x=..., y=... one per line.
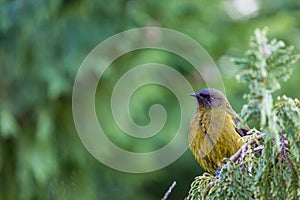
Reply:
x=218, y=171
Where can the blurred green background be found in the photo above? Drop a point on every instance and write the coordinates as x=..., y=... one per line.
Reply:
x=42, y=44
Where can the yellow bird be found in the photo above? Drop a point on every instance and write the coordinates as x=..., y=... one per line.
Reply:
x=214, y=133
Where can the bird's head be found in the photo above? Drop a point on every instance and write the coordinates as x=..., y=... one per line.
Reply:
x=210, y=98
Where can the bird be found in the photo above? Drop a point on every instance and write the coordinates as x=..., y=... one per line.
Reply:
x=214, y=132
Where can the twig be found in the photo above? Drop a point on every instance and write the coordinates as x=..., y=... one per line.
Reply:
x=169, y=191
x=258, y=149
x=235, y=156
x=283, y=150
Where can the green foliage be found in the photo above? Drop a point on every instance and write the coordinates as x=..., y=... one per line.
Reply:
x=264, y=66
x=42, y=44
x=274, y=173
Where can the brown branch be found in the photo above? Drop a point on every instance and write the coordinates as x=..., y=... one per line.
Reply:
x=243, y=148
x=169, y=191
x=283, y=150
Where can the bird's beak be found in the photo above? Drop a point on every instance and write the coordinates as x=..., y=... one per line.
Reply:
x=194, y=94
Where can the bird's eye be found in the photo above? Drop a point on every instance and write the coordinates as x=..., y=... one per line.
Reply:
x=210, y=99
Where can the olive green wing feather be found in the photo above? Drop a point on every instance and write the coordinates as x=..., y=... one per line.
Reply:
x=241, y=129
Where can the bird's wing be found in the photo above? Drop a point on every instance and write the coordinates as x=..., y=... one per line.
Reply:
x=242, y=131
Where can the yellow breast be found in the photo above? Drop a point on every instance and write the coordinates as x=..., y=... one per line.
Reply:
x=213, y=137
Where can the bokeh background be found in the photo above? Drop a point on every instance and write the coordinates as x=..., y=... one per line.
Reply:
x=43, y=43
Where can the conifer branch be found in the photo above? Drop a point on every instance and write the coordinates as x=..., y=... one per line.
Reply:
x=275, y=173
x=243, y=149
